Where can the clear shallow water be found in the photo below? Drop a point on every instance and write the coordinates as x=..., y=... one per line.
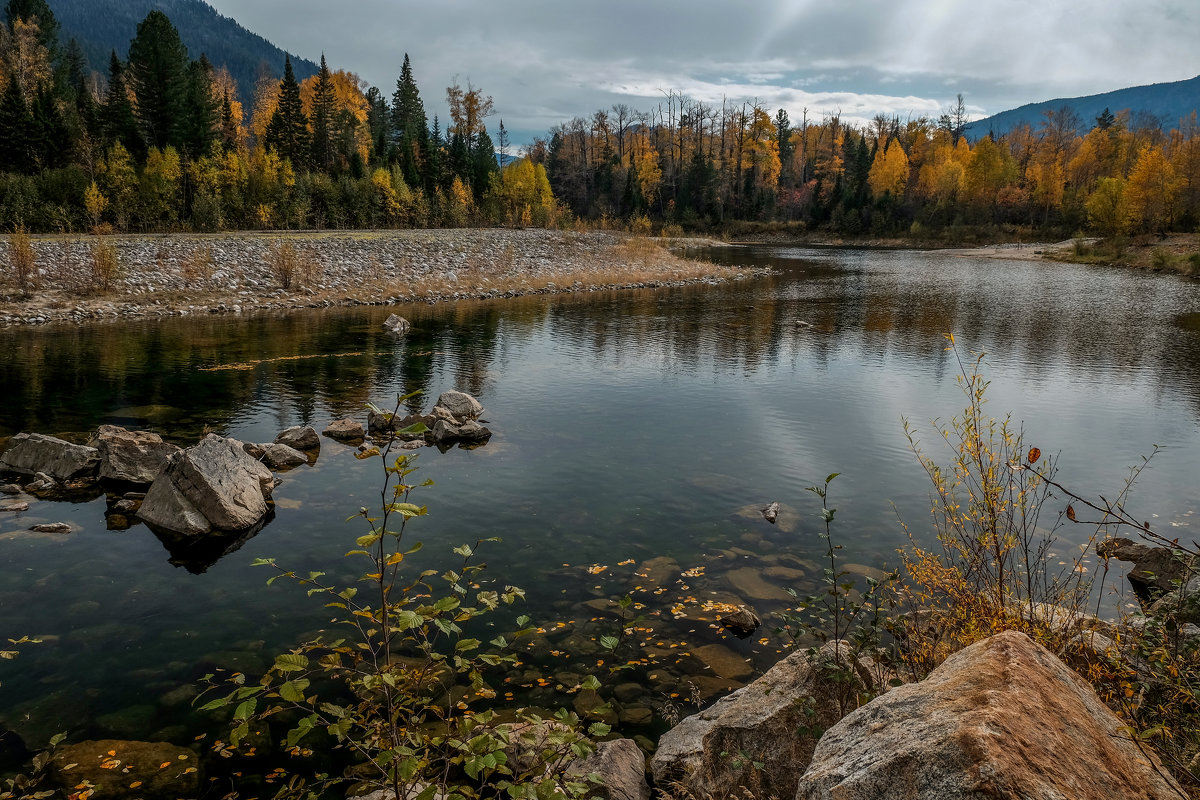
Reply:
x=628, y=425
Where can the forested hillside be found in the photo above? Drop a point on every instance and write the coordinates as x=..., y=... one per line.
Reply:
x=102, y=26
x=1168, y=103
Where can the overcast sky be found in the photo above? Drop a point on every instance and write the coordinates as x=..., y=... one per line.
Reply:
x=545, y=62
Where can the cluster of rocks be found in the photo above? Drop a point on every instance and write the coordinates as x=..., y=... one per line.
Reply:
x=454, y=418
x=217, y=486
x=185, y=275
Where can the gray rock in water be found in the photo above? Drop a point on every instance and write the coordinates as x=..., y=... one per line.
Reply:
x=1156, y=570
x=397, y=324
x=771, y=513
x=621, y=766
x=14, y=506
x=344, y=430
x=300, y=437
x=461, y=406
x=775, y=721
x=42, y=485
x=213, y=485
x=52, y=527
x=1002, y=718
x=280, y=456
x=131, y=456
x=31, y=453
x=742, y=622
x=253, y=450
x=10, y=488
x=470, y=431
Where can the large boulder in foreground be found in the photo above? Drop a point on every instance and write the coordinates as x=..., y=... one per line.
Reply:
x=621, y=767
x=213, y=485
x=31, y=453
x=1002, y=718
x=131, y=456
x=128, y=769
x=774, y=721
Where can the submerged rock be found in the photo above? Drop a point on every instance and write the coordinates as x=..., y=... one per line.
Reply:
x=31, y=453
x=344, y=430
x=1002, y=718
x=213, y=485
x=280, y=456
x=52, y=527
x=742, y=622
x=14, y=506
x=131, y=456
x=397, y=324
x=120, y=769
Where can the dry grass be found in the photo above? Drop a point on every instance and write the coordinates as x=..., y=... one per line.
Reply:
x=197, y=266
x=292, y=267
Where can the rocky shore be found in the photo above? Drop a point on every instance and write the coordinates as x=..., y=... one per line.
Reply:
x=179, y=275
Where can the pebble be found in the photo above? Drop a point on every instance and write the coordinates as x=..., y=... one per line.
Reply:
x=355, y=270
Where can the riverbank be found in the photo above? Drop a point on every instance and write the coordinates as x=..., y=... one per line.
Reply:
x=179, y=275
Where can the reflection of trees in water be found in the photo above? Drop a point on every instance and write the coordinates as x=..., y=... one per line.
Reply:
x=1108, y=323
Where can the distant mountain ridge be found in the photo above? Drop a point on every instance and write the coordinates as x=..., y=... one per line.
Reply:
x=101, y=26
x=1169, y=102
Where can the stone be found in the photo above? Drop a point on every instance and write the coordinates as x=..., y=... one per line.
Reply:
x=31, y=453
x=10, y=488
x=344, y=430
x=131, y=456
x=775, y=720
x=749, y=582
x=253, y=450
x=741, y=623
x=1156, y=570
x=280, y=456
x=771, y=513
x=724, y=663
x=52, y=527
x=213, y=485
x=397, y=324
x=15, y=506
x=621, y=767
x=461, y=405
x=43, y=486
x=1002, y=718
x=126, y=769
x=1181, y=604
x=300, y=437
x=469, y=431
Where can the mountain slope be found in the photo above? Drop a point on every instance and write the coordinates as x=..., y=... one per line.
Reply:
x=1169, y=102
x=102, y=26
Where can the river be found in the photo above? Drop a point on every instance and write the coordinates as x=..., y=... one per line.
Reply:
x=629, y=426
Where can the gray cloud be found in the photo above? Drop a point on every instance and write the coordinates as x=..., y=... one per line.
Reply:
x=545, y=62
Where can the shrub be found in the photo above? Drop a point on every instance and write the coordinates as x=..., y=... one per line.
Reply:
x=21, y=260
x=196, y=267
x=105, y=266
x=398, y=693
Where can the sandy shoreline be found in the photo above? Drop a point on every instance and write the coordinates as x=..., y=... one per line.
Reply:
x=181, y=275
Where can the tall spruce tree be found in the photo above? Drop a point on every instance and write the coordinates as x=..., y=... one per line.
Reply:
x=323, y=119
x=118, y=120
x=287, y=132
x=379, y=123
x=408, y=126
x=158, y=71
x=16, y=123
x=435, y=163
x=86, y=110
x=198, y=127
x=483, y=164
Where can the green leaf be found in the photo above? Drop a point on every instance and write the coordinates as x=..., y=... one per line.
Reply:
x=291, y=662
x=467, y=644
x=609, y=642
x=832, y=475
x=591, y=683
x=244, y=710
x=464, y=550
x=368, y=540
x=262, y=562
x=293, y=691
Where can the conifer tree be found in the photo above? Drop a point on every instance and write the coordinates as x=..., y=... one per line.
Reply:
x=435, y=162
x=87, y=111
x=483, y=164
x=323, y=111
x=15, y=126
x=158, y=71
x=117, y=117
x=229, y=125
x=408, y=125
x=35, y=11
x=287, y=131
x=198, y=126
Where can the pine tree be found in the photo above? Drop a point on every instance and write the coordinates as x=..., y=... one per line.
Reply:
x=435, y=163
x=229, y=126
x=379, y=123
x=198, y=127
x=323, y=111
x=457, y=160
x=158, y=71
x=15, y=125
x=287, y=132
x=410, y=135
x=117, y=118
x=483, y=164
x=87, y=111
x=49, y=136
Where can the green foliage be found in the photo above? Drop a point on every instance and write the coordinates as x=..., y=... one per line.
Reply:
x=405, y=692
x=288, y=133
x=158, y=67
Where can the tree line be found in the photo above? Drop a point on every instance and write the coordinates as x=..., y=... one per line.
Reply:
x=163, y=142
x=702, y=166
